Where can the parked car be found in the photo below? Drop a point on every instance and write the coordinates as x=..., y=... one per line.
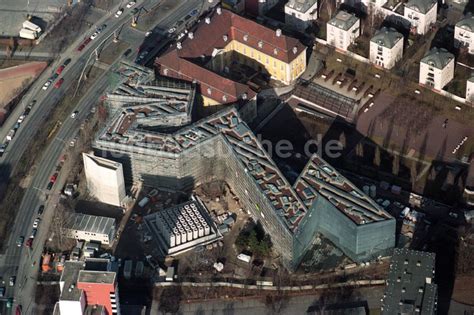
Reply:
x=54, y=177
x=94, y=36
x=130, y=4
x=74, y=114
x=2, y=292
x=40, y=210
x=35, y=224
x=29, y=243
x=50, y=185
x=54, y=76
x=60, y=69
x=33, y=232
x=12, y=281
x=127, y=52
x=59, y=83
x=67, y=61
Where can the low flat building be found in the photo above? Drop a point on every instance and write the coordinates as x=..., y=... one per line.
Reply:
x=464, y=34
x=421, y=14
x=301, y=13
x=182, y=227
x=410, y=285
x=436, y=68
x=91, y=228
x=85, y=289
x=104, y=179
x=342, y=30
x=386, y=48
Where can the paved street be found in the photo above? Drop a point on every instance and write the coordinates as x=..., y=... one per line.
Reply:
x=19, y=260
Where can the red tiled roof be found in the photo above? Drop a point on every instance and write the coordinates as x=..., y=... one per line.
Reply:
x=207, y=37
x=219, y=86
x=210, y=36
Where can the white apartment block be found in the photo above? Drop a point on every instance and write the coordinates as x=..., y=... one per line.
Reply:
x=342, y=30
x=301, y=13
x=386, y=48
x=464, y=33
x=437, y=68
x=104, y=179
x=470, y=90
x=421, y=14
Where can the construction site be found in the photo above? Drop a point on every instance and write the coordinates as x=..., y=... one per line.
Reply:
x=222, y=147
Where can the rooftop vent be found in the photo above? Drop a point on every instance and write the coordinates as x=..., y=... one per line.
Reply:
x=219, y=10
x=225, y=38
x=246, y=37
x=191, y=35
x=295, y=50
x=244, y=96
x=208, y=20
x=178, y=45
x=278, y=32
x=260, y=44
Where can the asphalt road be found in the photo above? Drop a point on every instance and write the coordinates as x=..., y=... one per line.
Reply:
x=21, y=261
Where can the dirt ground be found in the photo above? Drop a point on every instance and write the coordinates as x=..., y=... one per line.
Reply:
x=14, y=79
x=463, y=291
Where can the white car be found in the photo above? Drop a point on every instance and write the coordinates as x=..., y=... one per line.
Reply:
x=93, y=36
x=46, y=85
x=148, y=33
x=172, y=30
x=119, y=13
x=130, y=4
x=74, y=114
x=20, y=119
x=35, y=224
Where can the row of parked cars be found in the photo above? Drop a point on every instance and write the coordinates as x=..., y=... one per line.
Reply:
x=12, y=132
x=98, y=30
x=55, y=75
x=34, y=231
x=129, y=5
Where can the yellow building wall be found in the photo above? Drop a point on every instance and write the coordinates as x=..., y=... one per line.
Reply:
x=206, y=101
x=278, y=69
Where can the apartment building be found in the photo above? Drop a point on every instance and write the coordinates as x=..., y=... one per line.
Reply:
x=342, y=30
x=223, y=40
x=464, y=34
x=301, y=13
x=436, y=68
x=421, y=14
x=386, y=48
x=88, y=287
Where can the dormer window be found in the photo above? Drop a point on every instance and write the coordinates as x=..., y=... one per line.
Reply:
x=260, y=44
x=246, y=37
x=209, y=91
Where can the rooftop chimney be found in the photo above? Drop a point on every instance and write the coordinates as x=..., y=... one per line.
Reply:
x=219, y=10
x=278, y=32
x=295, y=50
x=208, y=20
x=191, y=35
x=224, y=37
x=178, y=45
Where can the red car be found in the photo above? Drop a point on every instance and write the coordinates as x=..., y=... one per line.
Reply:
x=60, y=69
x=18, y=310
x=54, y=177
x=80, y=48
x=87, y=41
x=59, y=83
x=29, y=242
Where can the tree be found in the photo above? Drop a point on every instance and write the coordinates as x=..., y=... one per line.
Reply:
x=396, y=164
x=377, y=158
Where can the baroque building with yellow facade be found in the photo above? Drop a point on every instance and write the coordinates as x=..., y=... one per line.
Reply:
x=225, y=51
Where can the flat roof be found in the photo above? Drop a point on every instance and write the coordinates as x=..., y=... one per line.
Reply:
x=410, y=285
x=69, y=276
x=91, y=276
x=319, y=179
x=91, y=223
